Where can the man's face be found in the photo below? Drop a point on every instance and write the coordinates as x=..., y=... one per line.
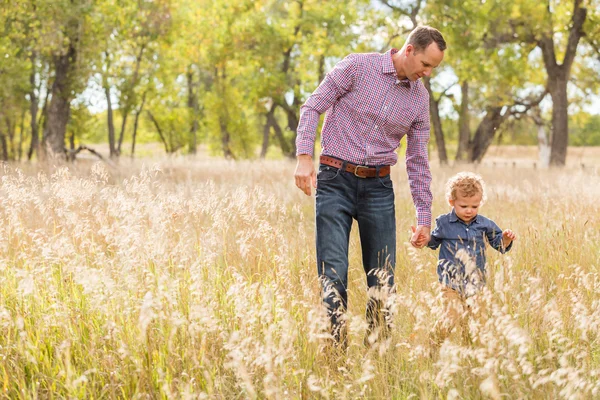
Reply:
x=421, y=63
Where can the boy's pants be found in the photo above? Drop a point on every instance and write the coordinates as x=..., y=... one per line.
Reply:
x=455, y=313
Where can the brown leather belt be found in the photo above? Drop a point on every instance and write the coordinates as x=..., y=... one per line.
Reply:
x=362, y=171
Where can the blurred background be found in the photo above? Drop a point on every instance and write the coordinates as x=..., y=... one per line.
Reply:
x=227, y=78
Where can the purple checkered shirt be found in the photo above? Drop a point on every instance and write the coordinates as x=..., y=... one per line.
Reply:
x=368, y=111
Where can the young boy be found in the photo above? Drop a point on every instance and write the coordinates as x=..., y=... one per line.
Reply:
x=461, y=235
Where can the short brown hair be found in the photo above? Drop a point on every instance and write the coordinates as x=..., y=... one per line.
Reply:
x=468, y=184
x=423, y=36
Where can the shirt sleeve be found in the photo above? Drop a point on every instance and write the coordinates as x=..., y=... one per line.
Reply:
x=436, y=236
x=417, y=166
x=337, y=83
x=494, y=236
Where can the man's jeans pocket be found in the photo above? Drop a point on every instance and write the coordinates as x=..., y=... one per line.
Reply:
x=327, y=173
x=386, y=182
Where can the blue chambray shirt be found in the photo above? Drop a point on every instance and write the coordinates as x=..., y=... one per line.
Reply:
x=461, y=263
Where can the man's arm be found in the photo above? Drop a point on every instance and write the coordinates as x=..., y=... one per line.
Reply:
x=419, y=175
x=337, y=83
x=305, y=174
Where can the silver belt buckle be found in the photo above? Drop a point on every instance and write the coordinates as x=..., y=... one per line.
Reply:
x=356, y=170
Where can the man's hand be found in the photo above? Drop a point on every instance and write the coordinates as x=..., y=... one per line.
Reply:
x=305, y=174
x=507, y=237
x=421, y=236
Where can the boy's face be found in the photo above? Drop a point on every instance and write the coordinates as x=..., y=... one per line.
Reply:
x=466, y=208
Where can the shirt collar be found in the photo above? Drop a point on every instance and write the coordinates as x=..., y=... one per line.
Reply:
x=387, y=67
x=454, y=218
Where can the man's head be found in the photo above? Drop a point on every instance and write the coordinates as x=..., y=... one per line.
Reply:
x=422, y=52
x=465, y=192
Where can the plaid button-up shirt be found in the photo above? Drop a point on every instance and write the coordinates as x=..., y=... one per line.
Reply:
x=369, y=110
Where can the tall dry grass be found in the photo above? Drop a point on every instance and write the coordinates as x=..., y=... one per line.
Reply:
x=197, y=279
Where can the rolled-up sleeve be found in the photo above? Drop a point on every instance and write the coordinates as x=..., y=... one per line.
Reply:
x=417, y=166
x=337, y=82
x=494, y=237
x=436, y=236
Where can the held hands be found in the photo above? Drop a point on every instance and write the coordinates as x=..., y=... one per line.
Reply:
x=507, y=237
x=420, y=237
x=305, y=174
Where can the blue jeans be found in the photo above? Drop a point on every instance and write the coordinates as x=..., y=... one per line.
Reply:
x=341, y=197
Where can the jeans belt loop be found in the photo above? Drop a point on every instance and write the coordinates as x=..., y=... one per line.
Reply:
x=377, y=171
x=343, y=166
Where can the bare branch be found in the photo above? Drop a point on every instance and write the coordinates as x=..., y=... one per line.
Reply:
x=575, y=33
x=493, y=39
x=527, y=104
x=410, y=13
x=72, y=154
x=446, y=90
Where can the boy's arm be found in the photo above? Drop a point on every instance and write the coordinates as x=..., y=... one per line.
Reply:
x=499, y=240
x=436, y=238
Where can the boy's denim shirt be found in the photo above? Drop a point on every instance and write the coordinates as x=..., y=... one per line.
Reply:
x=461, y=264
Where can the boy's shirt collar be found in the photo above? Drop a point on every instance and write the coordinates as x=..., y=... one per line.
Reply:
x=454, y=218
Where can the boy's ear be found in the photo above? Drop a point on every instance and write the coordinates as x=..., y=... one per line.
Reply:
x=451, y=202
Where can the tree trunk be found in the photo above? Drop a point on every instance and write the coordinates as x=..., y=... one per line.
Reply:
x=21, y=137
x=283, y=143
x=225, y=138
x=131, y=100
x=321, y=68
x=72, y=141
x=135, y=124
x=560, y=122
x=484, y=135
x=33, y=110
x=111, y=123
x=60, y=105
x=266, y=133
x=437, y=124
x=125, y=114
x=4, y=145
x=193, y=108
x=224, y=115
x=464, y=127
x=558, y=77
x=11, y=129
x=160, y=132
x=41, y=123
x=543, y=138
x=292, y=123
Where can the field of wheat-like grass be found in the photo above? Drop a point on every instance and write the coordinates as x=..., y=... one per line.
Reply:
x=197, y=279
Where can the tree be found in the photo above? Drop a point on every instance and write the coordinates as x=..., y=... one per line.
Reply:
x=556, y=28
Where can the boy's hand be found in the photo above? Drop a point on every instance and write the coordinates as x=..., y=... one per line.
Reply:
x=420, y=237
x=507, y=237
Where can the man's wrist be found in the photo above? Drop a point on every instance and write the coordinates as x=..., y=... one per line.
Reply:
x=304, y=157
x=424, y=220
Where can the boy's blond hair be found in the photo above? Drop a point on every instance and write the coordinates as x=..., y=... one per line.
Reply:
x=468, y=184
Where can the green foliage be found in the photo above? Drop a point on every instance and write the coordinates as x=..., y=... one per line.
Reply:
x=584, y=129
x=210, y=71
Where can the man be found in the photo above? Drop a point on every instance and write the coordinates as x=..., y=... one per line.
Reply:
x=372, y=100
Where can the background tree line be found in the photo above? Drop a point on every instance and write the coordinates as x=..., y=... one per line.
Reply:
x=232, y=74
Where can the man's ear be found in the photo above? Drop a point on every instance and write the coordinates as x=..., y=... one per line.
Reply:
x=409, y=49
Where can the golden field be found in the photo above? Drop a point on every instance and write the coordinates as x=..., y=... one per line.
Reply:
x=195, y=278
